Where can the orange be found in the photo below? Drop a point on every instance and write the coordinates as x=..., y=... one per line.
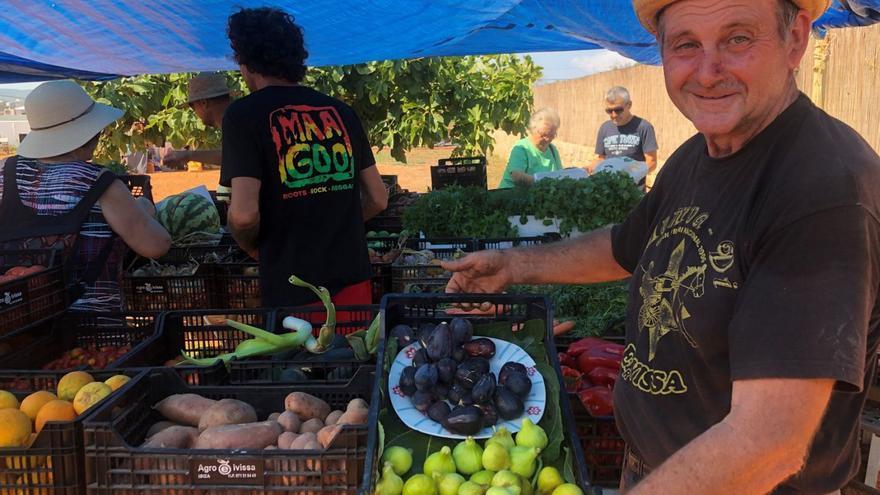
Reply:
x=56, y=410
x=70, y=384
x=117, y=381
x=89, y=395
x=32, y=403
x=7, y=400
x=15, y=428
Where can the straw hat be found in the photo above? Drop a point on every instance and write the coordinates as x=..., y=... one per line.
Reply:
x=647, y=10
x=206, y=85
x=62, y=117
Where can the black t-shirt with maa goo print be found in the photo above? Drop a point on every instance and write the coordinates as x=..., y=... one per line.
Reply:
x=764, y=264
x=308, y=151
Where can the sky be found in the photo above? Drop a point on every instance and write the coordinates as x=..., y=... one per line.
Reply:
x=557, y=65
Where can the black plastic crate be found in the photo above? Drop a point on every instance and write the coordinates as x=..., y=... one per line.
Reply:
x=33, y=297
x=391, y=183
x=462, y=171
x=602, y=445
x=139, y=185
x=54, y=463
x=417, y=276
x=169, y=292
x=417, y=309
x=117, y=465
x=387, y=223
x=235, y=285
x=76, y=332
x=335, y=366
x=512, y=242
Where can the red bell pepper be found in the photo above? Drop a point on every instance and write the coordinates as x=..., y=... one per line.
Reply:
x=597, y=400
x=580, y=346
x=597, y=357
x=603, y=376
x=567, y=360
x=572, y=378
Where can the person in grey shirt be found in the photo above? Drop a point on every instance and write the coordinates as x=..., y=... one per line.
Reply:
x=625, y=135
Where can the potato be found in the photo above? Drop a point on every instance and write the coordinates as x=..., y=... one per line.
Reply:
x=227, y=412
x=312, y=445
x=157, y=427
x=270, y=447
x=328, y=434
x=313, y=425
x=245, y=436
x=306, y=406
x=302, y=440
x=354, y=417
x=285, y=439
x=289, y=421
x=273, y=417
x=333, y=417
x=173, y=437
x=186, y=409
x=357, y=403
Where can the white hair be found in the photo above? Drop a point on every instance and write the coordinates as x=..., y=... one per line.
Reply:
x=617, y=93
x=548, y=115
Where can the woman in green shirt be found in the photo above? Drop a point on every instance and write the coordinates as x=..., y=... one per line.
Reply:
x=534, y=153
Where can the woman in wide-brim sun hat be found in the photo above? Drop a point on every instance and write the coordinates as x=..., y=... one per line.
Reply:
x=53, y=197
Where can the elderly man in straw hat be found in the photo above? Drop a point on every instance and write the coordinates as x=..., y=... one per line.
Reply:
x=52, y=196
x=208, y=97
x=752, y=325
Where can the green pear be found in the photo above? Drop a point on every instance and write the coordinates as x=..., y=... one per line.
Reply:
x=468, y=456
x=526, y=486
x=548, y=479
x=568, y=489
x=390, y=484
x=523, y=460
x=506, y=479
x=502, y=435
x=531, y=435
x=419, y=484
x=497, y=490
x=495, y=457
x=399, y=457
x=483, y=477
x=448, y=483
x=439, y=462
x=471, y=488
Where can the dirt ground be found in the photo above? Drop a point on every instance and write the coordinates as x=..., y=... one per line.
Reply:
x=414, y=175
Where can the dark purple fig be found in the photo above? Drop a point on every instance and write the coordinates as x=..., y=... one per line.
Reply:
x=466, y=398
x=439, y=411
x=446, y=368
x=424, y=332
x=519, y=383
x=408, y=381
x=455, y=393
x=462, y=330
x=441, y=391
x=482, y=347
x=439, y=343
x=490, y=414
x=484, y=390
x=508, y=404
x=404, y=335
x=469, y=372
x=510, y=367
x=422, y=400
x=426, y=376
x=458, y=354
x=420, y=357
x=465, y=420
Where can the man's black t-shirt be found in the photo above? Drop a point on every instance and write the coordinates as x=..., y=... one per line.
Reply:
x=308, y=150
x=764, y=264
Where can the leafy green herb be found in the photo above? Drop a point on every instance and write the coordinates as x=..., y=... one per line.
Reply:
x=592, y=307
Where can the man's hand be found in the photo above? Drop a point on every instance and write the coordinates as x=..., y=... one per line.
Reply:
x=484, y=272
x=175, y=158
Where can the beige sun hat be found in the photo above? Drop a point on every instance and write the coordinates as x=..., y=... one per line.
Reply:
x=62, y=117
x=647, y=10
x=206, y=85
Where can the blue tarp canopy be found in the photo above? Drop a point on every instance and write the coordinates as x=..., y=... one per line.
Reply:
x=96, y=39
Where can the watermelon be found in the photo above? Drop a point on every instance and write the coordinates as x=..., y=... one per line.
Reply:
x=190, y=218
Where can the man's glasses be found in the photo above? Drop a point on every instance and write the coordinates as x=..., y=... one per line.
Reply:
x=617, y=110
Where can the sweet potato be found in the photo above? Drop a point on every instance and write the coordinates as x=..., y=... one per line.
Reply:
x=285, y=439
x=246, y=436
x=173, y=437
x=289, y=421
x=313, y=425
x=186, y=409
x=273, y=417
x=333, y=417
x=306, y=406
x=227, y=412
x=327, y=434
x=157, y=427
x=302, y=440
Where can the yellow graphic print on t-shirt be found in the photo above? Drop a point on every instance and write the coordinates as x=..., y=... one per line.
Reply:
x=667, y=289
